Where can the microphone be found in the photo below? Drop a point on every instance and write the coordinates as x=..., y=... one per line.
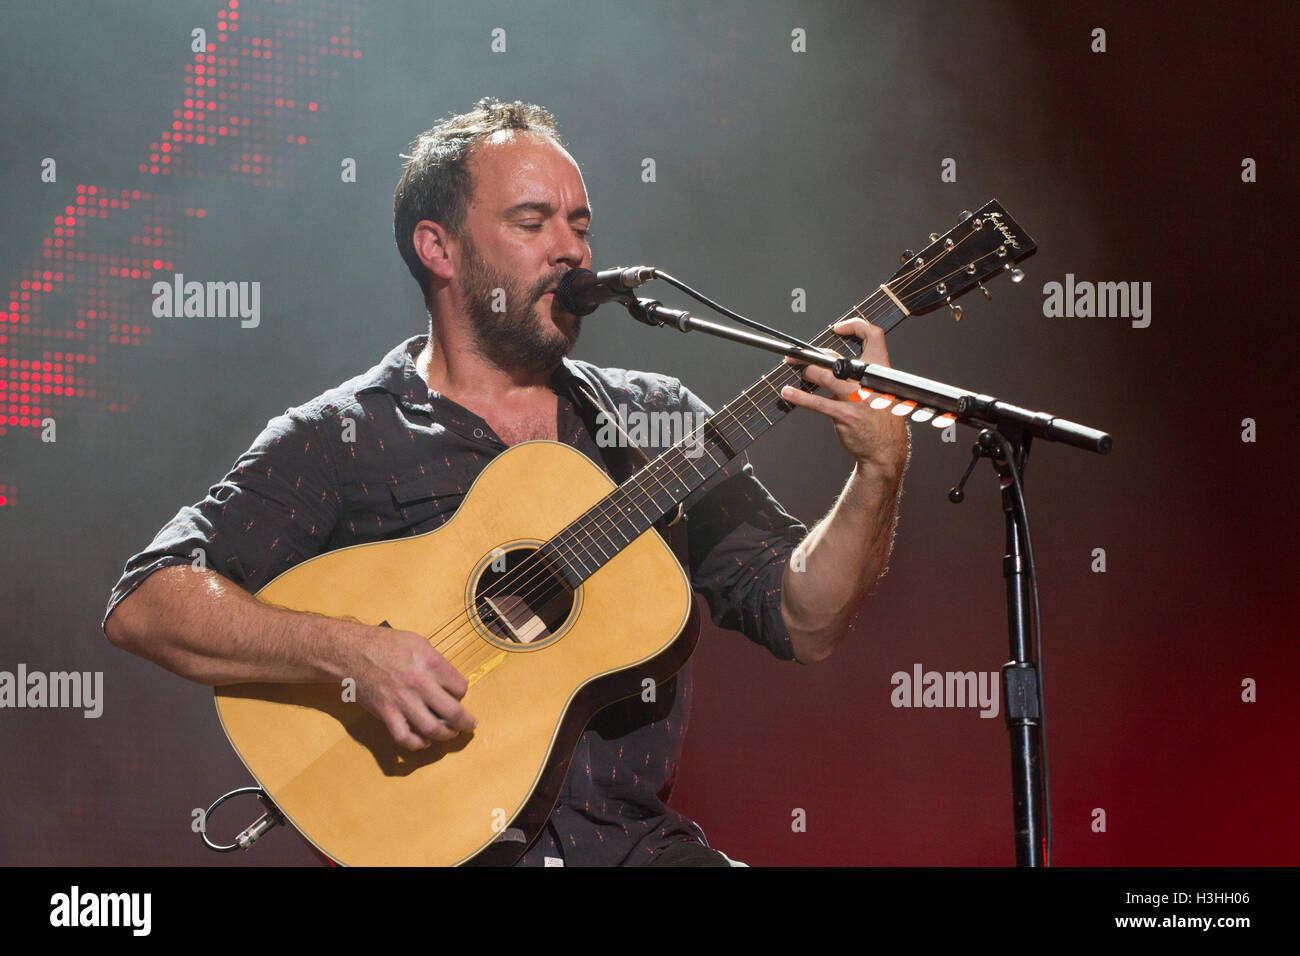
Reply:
x=580, y=290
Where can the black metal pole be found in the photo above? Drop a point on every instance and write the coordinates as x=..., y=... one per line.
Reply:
x=1019, y=676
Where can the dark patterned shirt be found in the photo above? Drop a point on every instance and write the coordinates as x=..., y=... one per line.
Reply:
x=307, y=486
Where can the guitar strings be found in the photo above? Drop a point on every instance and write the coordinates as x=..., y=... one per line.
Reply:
x=550, y=592
x=653, y=473
x=600, y=512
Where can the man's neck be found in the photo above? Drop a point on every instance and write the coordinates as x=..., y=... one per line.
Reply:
x=471, y=380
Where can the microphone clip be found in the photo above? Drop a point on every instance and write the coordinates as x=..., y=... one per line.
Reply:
x=649, y=311
x=984, y=447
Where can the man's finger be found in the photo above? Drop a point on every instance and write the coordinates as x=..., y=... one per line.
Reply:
x=824, y=378
x=395, y=721
x=855, y=326
x=425, y=721
x=452, y=679
x=452, y=713
x=829, y=407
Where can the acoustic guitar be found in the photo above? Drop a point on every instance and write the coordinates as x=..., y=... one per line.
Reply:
x=521, y=593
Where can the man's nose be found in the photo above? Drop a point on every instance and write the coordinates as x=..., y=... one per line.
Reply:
x=570, y=249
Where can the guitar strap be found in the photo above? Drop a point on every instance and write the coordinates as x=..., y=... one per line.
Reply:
x=636, y=458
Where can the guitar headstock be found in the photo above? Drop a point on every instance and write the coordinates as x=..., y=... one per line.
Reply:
x=981, y=246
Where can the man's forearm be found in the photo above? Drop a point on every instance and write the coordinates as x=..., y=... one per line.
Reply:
x=206, y=628
x=842, y=558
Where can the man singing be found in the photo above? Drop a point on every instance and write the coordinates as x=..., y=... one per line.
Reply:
x=490, y=212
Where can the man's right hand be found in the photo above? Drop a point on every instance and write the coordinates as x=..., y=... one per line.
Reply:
x=206, y=628
x=412, y=688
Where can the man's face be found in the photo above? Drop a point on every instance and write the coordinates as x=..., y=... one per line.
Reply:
x=525, y=227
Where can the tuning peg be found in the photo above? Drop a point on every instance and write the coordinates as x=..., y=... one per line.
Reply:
x=988, y=296
x=907, y=254
x=963, y=215
x=1016, y=274
x=934, y=237
x=956, y=309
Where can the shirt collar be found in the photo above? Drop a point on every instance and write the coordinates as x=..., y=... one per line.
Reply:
x=396, y=374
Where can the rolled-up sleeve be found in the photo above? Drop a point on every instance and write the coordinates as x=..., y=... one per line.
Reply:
x=275, y=508
x=740, y=542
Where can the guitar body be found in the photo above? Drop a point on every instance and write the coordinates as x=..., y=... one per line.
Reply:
x=332, y=768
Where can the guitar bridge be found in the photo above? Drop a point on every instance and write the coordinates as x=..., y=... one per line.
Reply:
x=516, y=619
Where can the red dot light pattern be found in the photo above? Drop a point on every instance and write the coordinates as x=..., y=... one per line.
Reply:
x=243, y=116
x=244, y=95
x=82, y=301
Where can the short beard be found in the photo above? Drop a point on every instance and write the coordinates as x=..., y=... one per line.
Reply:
x=512, y=340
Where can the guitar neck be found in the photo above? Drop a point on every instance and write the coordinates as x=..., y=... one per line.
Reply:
x=661, y=484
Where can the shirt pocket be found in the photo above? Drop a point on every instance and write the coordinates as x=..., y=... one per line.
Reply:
x=423, y=501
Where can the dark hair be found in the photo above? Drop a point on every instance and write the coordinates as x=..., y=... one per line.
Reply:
x=435, y=182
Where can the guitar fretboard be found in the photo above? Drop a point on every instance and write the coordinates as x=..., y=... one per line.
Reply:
x=618, y=519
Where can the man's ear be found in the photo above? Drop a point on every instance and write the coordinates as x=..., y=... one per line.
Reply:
x=432, y=243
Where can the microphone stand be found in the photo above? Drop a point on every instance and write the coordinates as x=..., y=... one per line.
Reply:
x=1006, y=433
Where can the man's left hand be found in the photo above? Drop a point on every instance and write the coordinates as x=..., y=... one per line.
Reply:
x=877, y=439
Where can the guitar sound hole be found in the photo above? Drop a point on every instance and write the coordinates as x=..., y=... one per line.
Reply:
x=520, y=598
